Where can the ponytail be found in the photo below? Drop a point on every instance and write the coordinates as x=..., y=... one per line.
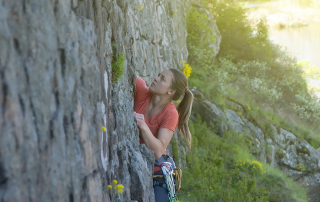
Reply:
x=179, y=84
x=184, y=111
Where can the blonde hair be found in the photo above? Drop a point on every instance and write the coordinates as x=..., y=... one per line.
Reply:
x=179, y=84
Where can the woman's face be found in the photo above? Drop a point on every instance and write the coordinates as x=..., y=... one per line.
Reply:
x=161, y=84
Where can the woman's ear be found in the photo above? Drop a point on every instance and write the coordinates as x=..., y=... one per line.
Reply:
x=171, y=92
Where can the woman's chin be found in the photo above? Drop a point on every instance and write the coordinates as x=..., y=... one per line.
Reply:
x=151, y=89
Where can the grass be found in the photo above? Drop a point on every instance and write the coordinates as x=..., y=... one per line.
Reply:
x=223, y=169
x=118, y=66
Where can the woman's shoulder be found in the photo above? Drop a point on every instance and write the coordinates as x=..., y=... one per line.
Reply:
x=171, y=109
x=141, y=83
x=170, y=117
x=141, y=91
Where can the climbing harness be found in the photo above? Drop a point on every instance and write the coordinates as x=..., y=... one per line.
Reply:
x=177, y=173
x=171, y=174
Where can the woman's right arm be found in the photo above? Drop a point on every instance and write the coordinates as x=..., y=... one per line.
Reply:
x=141, y=89
x=157, y=145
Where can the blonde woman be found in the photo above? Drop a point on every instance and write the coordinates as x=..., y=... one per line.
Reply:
x=157, y=117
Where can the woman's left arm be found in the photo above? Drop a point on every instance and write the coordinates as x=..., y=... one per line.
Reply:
x=157, y=145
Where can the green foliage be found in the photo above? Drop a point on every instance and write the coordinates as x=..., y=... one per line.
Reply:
x=256, y=70
x=276, y=186
x=118, y=67
x=173, y=12
x=222, y=169
x=280, y=153
x=175, y=149
x=284, y=94
x=199, y=38
x=238, y=39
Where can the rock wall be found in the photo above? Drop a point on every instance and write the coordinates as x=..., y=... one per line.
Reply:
x=279, y=148
x=56, y=94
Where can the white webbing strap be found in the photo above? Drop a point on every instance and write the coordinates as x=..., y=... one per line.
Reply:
x=167, y=169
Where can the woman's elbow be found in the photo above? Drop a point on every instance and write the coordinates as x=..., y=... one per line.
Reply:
x=158, y=153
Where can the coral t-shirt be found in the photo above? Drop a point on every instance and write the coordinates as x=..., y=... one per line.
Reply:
x=168, y=117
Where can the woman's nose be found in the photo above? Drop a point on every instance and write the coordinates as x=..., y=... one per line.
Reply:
x=156, y=79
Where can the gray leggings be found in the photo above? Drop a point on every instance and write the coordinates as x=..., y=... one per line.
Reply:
x=160, y=193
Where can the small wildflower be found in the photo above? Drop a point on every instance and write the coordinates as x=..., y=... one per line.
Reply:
x=109, y=186
x=103, y=128
x=115, y=182
x=257, y=163
x=187, y=70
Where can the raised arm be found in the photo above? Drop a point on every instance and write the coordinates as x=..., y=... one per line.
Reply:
x=157, y=145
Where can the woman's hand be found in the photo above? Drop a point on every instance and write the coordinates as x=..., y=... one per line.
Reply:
x=140, y=121
x=157, y=145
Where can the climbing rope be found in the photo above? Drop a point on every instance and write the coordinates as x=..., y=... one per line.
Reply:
x=167, y=169
x=177, y=173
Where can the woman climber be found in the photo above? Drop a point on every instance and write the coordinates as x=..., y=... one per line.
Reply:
x=157, y=117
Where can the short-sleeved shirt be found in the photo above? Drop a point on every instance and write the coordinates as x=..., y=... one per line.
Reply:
x=168, y=117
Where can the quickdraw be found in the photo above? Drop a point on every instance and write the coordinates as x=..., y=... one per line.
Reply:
x=168, y=168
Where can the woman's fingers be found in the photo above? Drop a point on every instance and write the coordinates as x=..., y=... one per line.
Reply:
x=139, y=116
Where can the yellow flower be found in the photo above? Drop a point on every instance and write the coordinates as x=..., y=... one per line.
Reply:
x=119, y=186
x=109, y=186
x=257, y=163
x=103, y=128
x=141, y=7
x=120, y=190
x=187, y=70
x=115, y=182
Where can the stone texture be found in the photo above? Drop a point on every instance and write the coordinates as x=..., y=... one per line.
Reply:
x=56, y=94
x=209, y=112
x=280, y=148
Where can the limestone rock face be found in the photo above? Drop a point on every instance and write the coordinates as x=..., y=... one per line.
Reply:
x=56, y=93
x=279, y=148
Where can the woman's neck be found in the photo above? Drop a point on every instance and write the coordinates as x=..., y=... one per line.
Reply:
x=159, y=101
